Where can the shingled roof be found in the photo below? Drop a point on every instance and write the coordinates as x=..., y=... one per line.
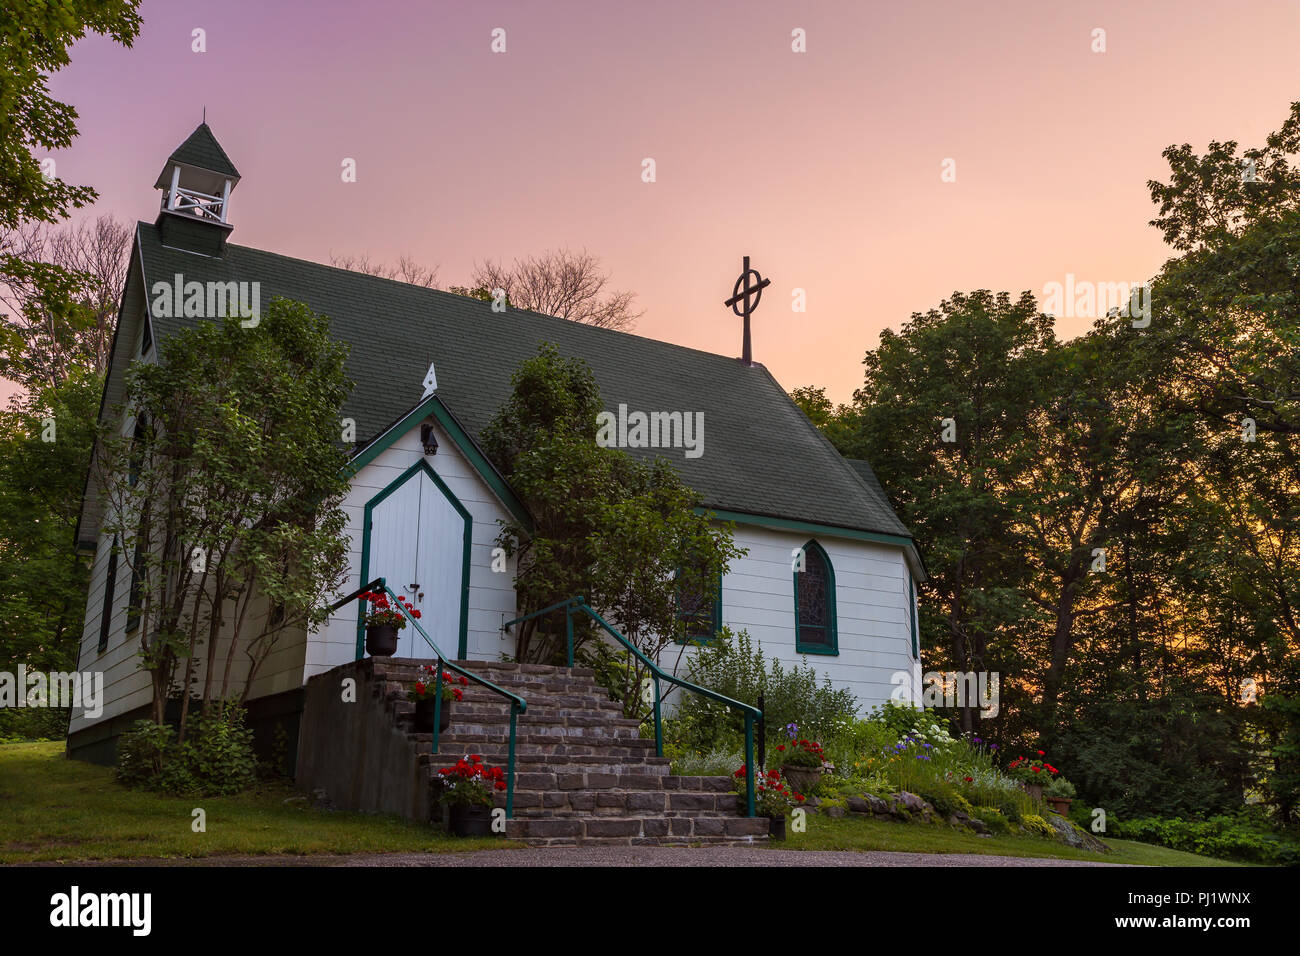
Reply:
x=761, y=454
x=200, y=150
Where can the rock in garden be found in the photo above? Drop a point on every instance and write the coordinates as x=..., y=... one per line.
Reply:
x=1071, y=835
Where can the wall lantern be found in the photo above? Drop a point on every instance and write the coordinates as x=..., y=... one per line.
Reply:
x=428, y=439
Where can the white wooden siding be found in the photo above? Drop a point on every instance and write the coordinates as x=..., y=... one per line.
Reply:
x=872, y=624
x=491, y=593
x=125, y=685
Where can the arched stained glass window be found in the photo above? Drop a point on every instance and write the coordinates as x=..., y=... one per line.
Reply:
x=814, y=597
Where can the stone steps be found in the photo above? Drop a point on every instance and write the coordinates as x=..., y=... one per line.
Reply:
x=559, y=763
x=638, y=831
x=583, y=773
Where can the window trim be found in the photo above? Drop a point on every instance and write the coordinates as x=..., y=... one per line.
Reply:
x=832, y=647
x=682, y=637
x=912, y=616
x=134, y=606
x=106, y=613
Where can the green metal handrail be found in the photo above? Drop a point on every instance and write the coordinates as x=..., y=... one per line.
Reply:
x=517, y=704
x=576, y=604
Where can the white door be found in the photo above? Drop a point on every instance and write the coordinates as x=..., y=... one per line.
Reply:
x=417, y=543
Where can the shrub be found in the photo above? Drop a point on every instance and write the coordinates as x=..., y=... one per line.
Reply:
x=715, y=763
x=903, y=719
x=220, y=754
x=946, y=800
x=32, y=723
x=1060, y=788
x=216, y=759
x=857, y=748
x=1225, y=837
x=141, y=753
x=734, y=666
x=1037, y=825
x=993, y=819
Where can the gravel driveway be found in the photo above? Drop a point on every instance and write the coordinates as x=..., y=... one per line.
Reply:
x=625, y=856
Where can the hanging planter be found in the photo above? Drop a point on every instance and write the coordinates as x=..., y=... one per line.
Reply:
x=381, y=640
x=383, y=621
x=424, y=716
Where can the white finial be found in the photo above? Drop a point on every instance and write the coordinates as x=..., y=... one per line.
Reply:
x=430, y=383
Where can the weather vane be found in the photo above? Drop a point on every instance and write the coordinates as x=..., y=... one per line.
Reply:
x=740, y=301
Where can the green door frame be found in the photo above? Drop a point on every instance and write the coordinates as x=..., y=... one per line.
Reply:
x=462, y=647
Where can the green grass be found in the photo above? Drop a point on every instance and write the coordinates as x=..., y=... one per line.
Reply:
x=66, y=810
x=57, y=809
x=858, y=833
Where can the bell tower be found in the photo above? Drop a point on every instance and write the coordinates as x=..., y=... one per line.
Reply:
x=196, y=183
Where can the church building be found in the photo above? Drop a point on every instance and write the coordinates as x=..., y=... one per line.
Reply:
x=828, y=578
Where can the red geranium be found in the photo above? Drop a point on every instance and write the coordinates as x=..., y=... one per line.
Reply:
x=471, y=782
x=386, y=612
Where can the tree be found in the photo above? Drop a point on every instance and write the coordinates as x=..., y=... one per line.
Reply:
x=47, y=344
x=225, y=494
x=940, y=417
x=34, y=41
x=567, y=284
x=45, y=440
x=1226, y=337
x=61, y=289
x=623, y=533
x=833, y=421
x=406, y=270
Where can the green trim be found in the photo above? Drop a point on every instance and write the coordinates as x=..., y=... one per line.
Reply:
x=468, y=537
x=832, y=647
x=106, y=613
x=789, y=524
x=684, y=638
x=911, y=615
x=460, y=438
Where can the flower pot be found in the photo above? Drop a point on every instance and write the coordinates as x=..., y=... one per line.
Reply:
x=424, y=715
x=776, y=828
x=381, y=640
x=470, y=821
x=1035, y=790
x=1060, y=805
x=803, y=779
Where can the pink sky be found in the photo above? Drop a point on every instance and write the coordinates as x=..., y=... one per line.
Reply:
x=824, y=167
